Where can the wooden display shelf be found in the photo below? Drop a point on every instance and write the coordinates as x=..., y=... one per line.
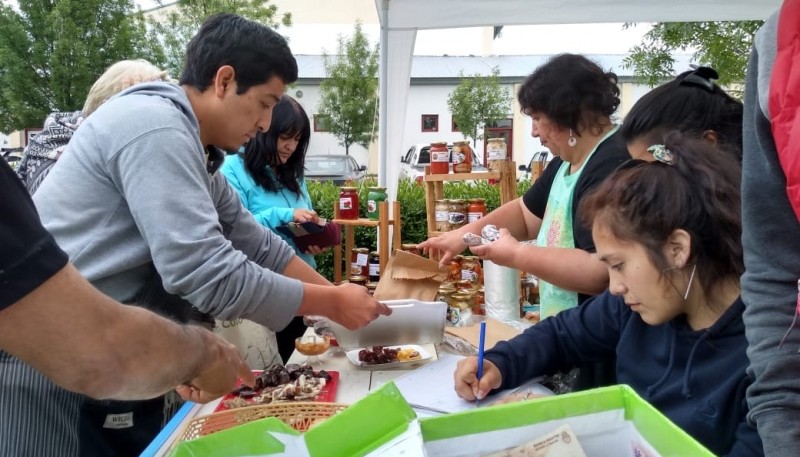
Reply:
x=434, y=188
x=348, y=228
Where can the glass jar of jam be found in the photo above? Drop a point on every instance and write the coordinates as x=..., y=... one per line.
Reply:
x=471, y=270
x=457, y=214
x=440, y=158
x=348, y=203
x=446, y=290
x=411, y=248
x=358, y=279
x=462, y=157
x=374, y=266
x=495, y=153
x=375, y=196
x=359, y=262
x=476, y=209
x=454, y=269
x=479, y=304
x=371, y=286
x=442, y=211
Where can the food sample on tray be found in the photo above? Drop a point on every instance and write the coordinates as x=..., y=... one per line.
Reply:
x=280, y=384
x=378, y=355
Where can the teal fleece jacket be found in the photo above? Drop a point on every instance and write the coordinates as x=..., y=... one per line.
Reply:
x=271, y=209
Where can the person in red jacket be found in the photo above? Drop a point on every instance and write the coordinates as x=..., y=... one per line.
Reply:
x=771, y=229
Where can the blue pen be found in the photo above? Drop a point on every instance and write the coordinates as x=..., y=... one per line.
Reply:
x=481, y=342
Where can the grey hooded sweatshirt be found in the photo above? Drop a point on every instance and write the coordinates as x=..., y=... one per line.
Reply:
x=135, y=191
x=771, y=240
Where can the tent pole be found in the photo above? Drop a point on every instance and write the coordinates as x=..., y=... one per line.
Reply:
x=383, y=126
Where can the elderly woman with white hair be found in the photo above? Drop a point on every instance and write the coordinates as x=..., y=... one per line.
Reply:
x=46, y=147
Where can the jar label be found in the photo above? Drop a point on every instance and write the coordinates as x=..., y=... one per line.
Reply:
x=456, y=218
x=469, y=275
x=442, y=156
x=442, y=216
x=355, y=269
x=361, y=259
x=374, y=269
x=346, y=203
x=472, y=217
x=372, y=206
x=453, y=315
x=459, y=158
x=496, y=151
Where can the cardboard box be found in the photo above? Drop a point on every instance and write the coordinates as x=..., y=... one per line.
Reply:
x=608, y=421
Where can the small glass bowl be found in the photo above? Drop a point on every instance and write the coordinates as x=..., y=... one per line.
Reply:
x=312, y=346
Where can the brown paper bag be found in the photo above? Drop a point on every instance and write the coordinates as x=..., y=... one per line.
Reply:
x=496, y=331
x=410, y=276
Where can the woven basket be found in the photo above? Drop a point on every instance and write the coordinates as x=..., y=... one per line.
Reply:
x=298, y=415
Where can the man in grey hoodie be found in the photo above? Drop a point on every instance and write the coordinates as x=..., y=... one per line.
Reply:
x=771, y=231
x=138, y=205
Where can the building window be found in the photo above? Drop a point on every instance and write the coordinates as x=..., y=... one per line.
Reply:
x=453, y=126
x=321, y=123
x=430, y=122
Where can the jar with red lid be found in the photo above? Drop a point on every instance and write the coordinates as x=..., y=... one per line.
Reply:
x=476, y=209
x=440, y=159
x=348, y=203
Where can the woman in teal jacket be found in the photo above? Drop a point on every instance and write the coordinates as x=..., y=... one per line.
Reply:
x=268, y=176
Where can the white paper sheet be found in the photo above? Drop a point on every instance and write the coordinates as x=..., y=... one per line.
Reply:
x=430, y=388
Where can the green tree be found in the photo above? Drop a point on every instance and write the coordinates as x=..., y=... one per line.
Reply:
x=178, y=24
x=725, y=46
x=349, y=95
x=51, y=52
x=478, y=100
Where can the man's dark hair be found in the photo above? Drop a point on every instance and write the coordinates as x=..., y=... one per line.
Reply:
x=255, y=51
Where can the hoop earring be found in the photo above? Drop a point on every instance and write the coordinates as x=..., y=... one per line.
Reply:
x=685, y=295
x=572, y=140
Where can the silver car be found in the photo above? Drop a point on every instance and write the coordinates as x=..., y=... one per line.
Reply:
x=336, y=168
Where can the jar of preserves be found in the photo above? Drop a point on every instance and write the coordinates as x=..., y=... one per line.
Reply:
x=371, y=286
x=442, y=211
x=462, y=157
x=459, y=303
x=446, y=290
x=440, y=158
x=457, y=214
x=358, y=279
x=465, y=286
x=496, y=151
x=374, y=266
x=479, y=304
x=375, y=196
x=476, y=209
x=410, y=248
x=359, y=262
x=454, y=269
x=471, y=270
x=348, y=203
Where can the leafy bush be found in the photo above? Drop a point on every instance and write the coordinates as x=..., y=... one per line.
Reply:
x=411, y=196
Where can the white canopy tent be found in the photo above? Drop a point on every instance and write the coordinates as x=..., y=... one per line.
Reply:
x=400, y=20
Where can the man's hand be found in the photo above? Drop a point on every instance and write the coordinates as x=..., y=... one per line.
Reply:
x=220, y=374
x=466, y=379
x=353, y=307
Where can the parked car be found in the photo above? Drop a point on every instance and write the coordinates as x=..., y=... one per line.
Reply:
x=419, y=155
x=535, y=167
x=336, y=168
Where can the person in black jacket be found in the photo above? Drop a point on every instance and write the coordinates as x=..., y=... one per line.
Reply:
x=669, y=233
